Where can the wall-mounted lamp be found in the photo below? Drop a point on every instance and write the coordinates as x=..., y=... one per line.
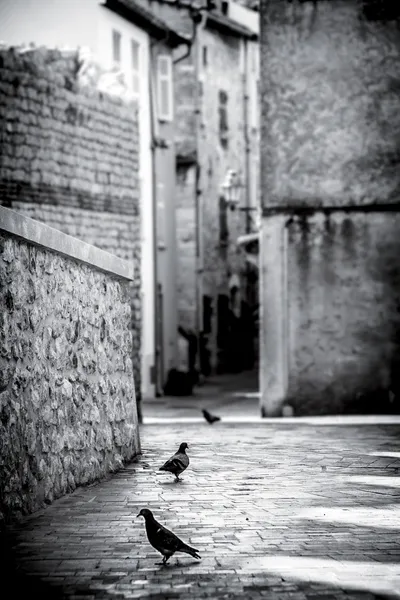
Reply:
x=231, y=188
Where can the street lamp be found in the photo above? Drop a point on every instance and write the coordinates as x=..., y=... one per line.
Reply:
x=231, y=187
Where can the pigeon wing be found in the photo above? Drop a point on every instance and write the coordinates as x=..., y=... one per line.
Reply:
x=178, y=462
x=166, y=539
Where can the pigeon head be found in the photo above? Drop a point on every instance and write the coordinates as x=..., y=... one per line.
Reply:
x=183, y=447
x=146, y=513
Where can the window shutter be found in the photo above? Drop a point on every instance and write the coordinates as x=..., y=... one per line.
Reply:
x=164, y=88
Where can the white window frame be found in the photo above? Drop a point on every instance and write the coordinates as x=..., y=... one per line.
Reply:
x=135, y=69
x=117, y=64
x=162, y=78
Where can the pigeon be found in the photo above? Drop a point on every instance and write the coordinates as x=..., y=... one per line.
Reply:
x=163, y=540
x=209, y=417
x=178, y=462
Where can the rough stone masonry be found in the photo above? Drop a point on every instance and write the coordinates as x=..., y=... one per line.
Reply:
x=67, y=397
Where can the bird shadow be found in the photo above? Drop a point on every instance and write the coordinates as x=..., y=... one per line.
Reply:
x=173, y=482
x=176, y=565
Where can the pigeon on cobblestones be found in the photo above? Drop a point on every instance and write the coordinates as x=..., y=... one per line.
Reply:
x=163, y=540
x=209, y=417
x=178, y=462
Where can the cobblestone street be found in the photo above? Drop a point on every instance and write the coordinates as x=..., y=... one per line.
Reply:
x=277, y=510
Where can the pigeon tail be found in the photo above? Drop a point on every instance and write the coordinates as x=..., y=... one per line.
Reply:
x=189, y=550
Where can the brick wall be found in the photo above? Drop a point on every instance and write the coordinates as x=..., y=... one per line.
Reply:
x=69, y=156
x=330, y=278
x=67, y=396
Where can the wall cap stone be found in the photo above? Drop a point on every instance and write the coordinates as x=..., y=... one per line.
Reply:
x=47, y=237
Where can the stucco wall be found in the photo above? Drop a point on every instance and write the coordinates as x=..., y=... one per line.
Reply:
x=330, y=278
x=186, y=234
x=197, y=139
x=330, y=125
x=69, y=157
x=343, y=282
x=67, y=396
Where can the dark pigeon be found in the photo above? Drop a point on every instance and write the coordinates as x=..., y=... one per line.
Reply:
x=163, y=540
x=178, y=462
x=209, y=417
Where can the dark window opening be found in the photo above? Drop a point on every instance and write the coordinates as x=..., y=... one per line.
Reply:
x=205, y=57
x=223, y=222
x=223, y=118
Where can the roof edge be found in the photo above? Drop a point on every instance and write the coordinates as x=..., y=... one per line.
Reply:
x=222, y=22
x=147, y=20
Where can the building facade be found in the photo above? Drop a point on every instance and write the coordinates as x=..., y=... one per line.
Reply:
x=330, y=244
x=125, y=39
x=217, y=134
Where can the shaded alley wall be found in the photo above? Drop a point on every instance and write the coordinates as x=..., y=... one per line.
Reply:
x=69, y=156
x=330, y=140
x=344, y=313
x=67, y=395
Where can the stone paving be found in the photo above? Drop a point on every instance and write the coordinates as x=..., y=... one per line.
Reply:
x=285, y=511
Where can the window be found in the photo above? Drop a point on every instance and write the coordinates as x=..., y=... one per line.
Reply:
x=164, y=88
x=205, y=57
x=223, y=118
x=135, y=67
x=223, y=222
x=116, y=48
x=241, y=57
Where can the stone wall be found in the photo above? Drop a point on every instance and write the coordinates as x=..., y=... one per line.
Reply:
x=67, y=396
x=330, y=265
x=69, y=155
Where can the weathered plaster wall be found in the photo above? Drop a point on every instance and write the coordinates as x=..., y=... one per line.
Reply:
x=67, y=395
x=330, y=105
x=330, y=138
x=222, y=73
x=215, y=64
x=343, y=281
x=186, y=246
x=69, y=157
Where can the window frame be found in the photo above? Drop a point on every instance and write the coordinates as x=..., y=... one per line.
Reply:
x=166, y=116
x=116, y=62
x=135, y=72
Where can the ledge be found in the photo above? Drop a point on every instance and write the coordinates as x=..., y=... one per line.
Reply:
x=301, y=209
x=52, y=239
